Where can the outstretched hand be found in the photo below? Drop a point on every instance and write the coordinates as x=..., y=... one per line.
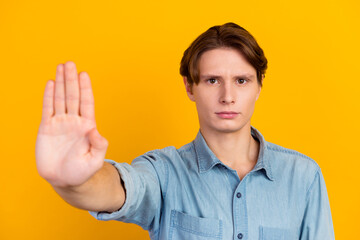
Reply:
x=69, y=149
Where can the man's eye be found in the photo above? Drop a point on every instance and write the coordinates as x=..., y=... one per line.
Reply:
x=241, y=80
x=212, y=80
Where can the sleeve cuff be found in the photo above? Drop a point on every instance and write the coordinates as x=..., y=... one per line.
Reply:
x=129, y=186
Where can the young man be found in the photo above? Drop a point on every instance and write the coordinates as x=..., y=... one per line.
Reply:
x=229, y=183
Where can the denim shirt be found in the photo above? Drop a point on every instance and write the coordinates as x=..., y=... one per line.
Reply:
x=188, y=193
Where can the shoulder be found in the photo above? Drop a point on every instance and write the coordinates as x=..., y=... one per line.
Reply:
x=169, y=153
x=287, y=154
x=293, y=161
x=172, y=158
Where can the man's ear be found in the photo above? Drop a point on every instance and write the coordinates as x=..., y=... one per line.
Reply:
x=258, y=94
x=188, y=88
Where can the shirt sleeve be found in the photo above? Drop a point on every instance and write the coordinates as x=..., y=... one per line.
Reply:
x=143, y=191
x=317, y=222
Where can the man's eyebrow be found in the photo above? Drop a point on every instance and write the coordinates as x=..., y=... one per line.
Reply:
x=218, y=76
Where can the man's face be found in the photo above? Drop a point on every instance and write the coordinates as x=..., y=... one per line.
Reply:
x=227, y=84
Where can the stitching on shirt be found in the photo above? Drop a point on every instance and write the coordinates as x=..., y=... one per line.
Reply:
x=311, y=185
x=290, y=151
x=269, y=173
x=197, y=157
x=175, y=225
x=153, y=152
x=166, y=167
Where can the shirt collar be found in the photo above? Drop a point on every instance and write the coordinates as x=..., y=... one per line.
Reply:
x=207, y=159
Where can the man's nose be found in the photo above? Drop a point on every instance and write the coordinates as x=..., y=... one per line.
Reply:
x=227, y=95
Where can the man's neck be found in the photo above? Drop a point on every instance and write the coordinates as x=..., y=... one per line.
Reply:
x=234, y=149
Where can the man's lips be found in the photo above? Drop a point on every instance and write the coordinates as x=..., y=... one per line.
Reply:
x=227, y=114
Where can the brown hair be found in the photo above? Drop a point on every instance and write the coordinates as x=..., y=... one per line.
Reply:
x=227, y=35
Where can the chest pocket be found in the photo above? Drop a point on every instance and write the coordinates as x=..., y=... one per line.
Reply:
x=185, y=226
x=270, y=233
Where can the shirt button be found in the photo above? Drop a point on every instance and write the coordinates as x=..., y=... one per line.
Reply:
x=240, y=236
x=238, y=195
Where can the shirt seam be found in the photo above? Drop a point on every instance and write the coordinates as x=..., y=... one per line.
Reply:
x=159, y=179
x=293, y=152
x=311, y=185
x=166, y=167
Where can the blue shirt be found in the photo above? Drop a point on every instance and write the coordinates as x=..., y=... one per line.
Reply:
x=188, y=193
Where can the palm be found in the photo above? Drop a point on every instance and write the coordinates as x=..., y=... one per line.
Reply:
x=64, y=153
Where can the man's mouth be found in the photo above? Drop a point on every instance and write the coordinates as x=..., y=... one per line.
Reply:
x=227, y=114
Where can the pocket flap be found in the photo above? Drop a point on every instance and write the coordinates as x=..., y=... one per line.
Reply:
x=210, y=227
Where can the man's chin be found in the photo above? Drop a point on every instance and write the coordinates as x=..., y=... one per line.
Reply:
x=227, y=129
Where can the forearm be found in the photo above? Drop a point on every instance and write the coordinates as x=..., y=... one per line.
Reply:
x=102, y=192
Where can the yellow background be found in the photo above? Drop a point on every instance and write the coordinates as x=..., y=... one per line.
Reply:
x=132, y=50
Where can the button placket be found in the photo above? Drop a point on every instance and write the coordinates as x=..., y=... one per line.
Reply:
x=240, y=212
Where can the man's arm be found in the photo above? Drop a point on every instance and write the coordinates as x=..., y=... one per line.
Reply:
x=104, y=191
x=145, y=182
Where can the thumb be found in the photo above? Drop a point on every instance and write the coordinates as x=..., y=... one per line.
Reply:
x=98, y=144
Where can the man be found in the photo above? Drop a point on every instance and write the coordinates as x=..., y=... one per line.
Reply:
x=229, y=183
